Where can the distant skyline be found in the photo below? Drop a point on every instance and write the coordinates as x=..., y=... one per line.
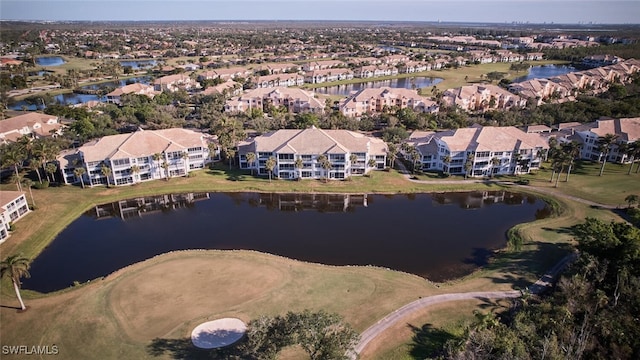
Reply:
x=494, y=11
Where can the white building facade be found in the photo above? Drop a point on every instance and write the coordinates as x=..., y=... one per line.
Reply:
x=13, y=206
x=348, y=153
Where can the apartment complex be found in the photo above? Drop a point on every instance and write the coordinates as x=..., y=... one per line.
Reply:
x=115, y=96
x=140, y=156
x=480, y=151
x=13, y=206
x=375, y=100
x=32, y=124
x=482, y=98
x=626, y=130
x=348, y=153
x=293, y=99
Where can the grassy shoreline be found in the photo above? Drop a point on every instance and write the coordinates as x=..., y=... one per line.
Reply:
x=98, y=314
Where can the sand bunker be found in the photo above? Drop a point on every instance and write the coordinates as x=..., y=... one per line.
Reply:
x=218, y=333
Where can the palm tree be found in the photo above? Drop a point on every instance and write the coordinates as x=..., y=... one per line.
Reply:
x=604, y=144
x=165, y=166
x=447, y=161
x=28, y=183
x=468, y=165
x=324, y=163
x=299, y=164
x=572, y=150
x=562, y=160
x=633, y=150
x=494, y=162
x=631, y=199
x=156, y=157
x=79, y=173
x=251, y=159
x=51, y=169
x=106, y=172
x=43, y=151
x=135, y=169
x=185, y=158
x=373, y=164
x=392, y=154
x=12, y=155
x=15, y=267
x=270, y=164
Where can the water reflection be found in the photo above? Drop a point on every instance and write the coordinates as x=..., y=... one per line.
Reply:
x=406, y=83
x=50, y=61
x=437, y=236
x=545, y=72
x=137, y=207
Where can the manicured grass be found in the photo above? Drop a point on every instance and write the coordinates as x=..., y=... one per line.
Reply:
x=167, y=296
x=584, y=182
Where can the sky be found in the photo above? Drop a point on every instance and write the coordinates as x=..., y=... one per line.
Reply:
x=495, y=11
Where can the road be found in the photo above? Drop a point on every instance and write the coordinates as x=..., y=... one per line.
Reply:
x=395, y=317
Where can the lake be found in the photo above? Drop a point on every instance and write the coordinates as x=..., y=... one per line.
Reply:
x=545, y=72
x=406, y=83
x=138, y=64
x=50, y=61
x=65, y=99
x=118, y=83
x=436, y=236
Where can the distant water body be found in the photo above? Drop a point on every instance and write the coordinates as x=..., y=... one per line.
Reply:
x=545, y=72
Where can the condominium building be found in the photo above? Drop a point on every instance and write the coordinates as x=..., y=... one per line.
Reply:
x=299, y=153
x=33, y=124
x=375, y=100
x=293, y=99
x=13, y=206
x=140, y=156
x=626, y=130
x=482, y=98
x=480, y=151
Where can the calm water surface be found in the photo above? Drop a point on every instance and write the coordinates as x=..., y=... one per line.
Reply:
x=50, y=61
x=407, y=83
x=437, y=236
x=545, y=72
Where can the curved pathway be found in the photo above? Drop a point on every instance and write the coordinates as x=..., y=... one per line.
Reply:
x=393, y=318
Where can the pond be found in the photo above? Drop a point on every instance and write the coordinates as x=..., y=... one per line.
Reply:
x=138, y=64
x=436, y=236
x=117, y=83
x=406, y=83
x=65, y=99
x=545, y=72
x=50, y=61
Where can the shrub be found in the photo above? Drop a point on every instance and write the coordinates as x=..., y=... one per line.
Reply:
x=43, y=185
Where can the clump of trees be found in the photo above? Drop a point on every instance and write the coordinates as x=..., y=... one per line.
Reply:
x=592, y=312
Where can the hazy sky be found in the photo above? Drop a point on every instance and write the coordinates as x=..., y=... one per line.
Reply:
x=535, y=11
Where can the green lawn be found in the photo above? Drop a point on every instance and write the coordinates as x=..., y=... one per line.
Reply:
x=166, y=296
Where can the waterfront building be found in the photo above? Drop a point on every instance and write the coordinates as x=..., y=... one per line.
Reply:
x=13, y=206
x=139, y=156
x=480, y=151
x=347, y=152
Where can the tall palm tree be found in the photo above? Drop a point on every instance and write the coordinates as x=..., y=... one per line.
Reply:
x=251, y=159
x=135, y=169
x=572, y=150
x=604, y=144
x=156, y=158
x=44, y=150
x=79, y=173
x=12, y=155
x=323, y=161
x=372, y=163
x=106, y=172
x=185, y=158
x=494, y=163
x=468, y=165
x=51, y=169
x=165, y=166
x=28, y=183
x=270, y=164
x=447, y=161
x=392, y=155
x=16, y=267
x=299, y=164
x=563, y=159
x=633, y=151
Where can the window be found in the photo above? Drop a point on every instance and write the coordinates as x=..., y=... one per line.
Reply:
x=306, y=157
x=195, y=149
x=498, y=153
x=285, y=156
x=120, y=162
x=482, y=154
x=143, y=160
